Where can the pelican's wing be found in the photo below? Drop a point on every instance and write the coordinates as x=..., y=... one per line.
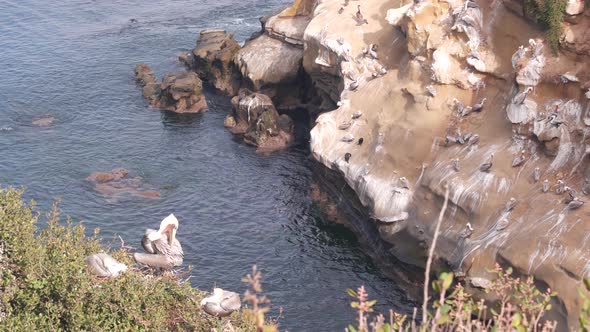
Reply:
x=146, y=243
x=231, y=302
x=96, y=266
x=153, y=260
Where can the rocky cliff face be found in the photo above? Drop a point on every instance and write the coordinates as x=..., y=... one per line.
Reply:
x=467, y=95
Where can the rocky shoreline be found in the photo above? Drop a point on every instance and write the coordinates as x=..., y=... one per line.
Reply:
x=412, y=97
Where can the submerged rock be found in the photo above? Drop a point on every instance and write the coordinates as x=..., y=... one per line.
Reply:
x=43, y=120
x=118, y=184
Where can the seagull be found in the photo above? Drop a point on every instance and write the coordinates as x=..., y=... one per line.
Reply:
x=485, y=167
x=467, y=231
x=519, y=160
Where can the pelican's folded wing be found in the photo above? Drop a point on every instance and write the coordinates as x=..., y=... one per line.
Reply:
x=152, y=260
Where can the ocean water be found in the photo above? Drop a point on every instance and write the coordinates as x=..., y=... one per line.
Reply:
x=74, y=59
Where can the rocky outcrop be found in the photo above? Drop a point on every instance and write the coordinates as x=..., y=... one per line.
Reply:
x=255, y=117
x=408, y=86
x=212, y=60
x=180, y=93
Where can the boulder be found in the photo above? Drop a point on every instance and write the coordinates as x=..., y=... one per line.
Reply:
x=266, y=61
x=181, y=93
x=574, y=7
x=212, y=60
x=255, y=116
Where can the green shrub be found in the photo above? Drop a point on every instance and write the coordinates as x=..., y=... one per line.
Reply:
x=550, y=14
x=44, y=284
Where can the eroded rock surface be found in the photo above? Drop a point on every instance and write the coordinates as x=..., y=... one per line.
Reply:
x=181, y=92
x=255, y=117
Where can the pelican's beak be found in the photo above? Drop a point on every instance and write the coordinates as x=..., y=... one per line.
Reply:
x=172, y=235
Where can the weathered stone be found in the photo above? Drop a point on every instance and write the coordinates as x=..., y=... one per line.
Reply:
x=574, y=7
x=144, y=74
x=266, y=61
x=213, y=60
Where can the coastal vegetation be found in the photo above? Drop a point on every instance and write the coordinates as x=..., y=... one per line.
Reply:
x=550, y=14
x=44, y=285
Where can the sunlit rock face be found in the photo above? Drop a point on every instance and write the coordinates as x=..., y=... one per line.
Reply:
x=399, y=138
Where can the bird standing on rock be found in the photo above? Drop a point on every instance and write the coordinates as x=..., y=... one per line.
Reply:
x=467, y=231
x=536, y=174
x=356, y=115
x=546, y=186
x=510, y=204
x=341, y=10
x=519, y=160
x=485, y=167
x=347, y=156
x=479, y=106
x=521, y=97
x=345, y=125
x=576, y=203
x=455, y=163
x=404, y=182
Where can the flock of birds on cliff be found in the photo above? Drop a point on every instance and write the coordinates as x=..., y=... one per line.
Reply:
x=163, y=252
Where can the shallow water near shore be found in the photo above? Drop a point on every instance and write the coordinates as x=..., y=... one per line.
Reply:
x=73, y=61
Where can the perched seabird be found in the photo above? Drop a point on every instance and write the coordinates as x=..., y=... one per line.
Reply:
x=345, y=3
x=373, y=51
x=162, y=247
x=347, y=156
x=221, y=303
x=345, y=125
x=546, y=186
x=560, y=187
x=466, y=111
x=459, y=106
x=510, y=204
x=474, y=139
x=467, y=231
x=353, y=85
x=521, y=97
x=467, y=136
x=519, y=160
x=455, y=164
x=502, y=224
x=536, y=174
x=104, y=265
x=518, y=55
x=360, y=141
x=359, y=17
x=431, y=90
x=586, y=187
x=485, y=167
x=572, y=193
x=356, y=115
x=575, y=204
x=479, y=106
x=341, y=10
x=404, y=182
x=347, y=138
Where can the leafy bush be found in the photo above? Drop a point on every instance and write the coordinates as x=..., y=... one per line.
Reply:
x=44, y=284
x=550, y=14
x=520, y=307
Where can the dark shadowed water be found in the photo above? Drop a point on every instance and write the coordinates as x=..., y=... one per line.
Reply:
x=73, y=60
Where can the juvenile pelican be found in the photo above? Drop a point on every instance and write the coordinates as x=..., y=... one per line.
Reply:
x=521, y=97
x=575, y=203
x=221, y=303
x=162, y=248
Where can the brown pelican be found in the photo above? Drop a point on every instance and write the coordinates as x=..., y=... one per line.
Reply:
x=536, y=174
x=485, y=167
x=353, y=85
x=221, y=303
x=360, y=20
x=519, y=160
x=347, y=138
x=347, y=156
x=372, y=51
x=510, y=204
x=518, y=55
x=560, y=187
x=571, y=192
x=455, y=163
x=474, y=139
x=360, y=141
x=104, y=265
x=467, y=231
x=521, y=97
x=479, y=106
x=459, y=106
x=345, y=125
x=546, y=186
x=356, y=115
x=575, y=203
x=162, y=248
